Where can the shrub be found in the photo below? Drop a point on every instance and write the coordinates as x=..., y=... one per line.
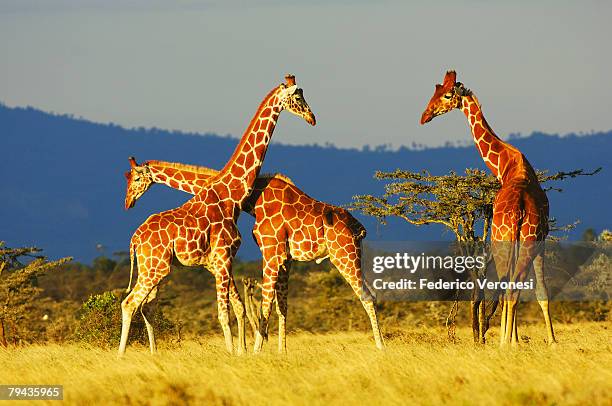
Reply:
x=99, y=322
x=21, y=315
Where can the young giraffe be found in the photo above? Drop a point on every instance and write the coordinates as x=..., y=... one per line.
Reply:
x=289, y=225
x=203, y=231
x=520, y=210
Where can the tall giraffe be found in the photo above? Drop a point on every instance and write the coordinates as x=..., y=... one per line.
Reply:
x=203, y=231
x=289, y=225
x=520, y=210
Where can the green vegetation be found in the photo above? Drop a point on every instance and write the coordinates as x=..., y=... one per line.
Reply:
x=99, y=322
x=22, y=304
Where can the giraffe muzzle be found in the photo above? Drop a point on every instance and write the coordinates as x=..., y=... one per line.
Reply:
x=129, y=203
x=310, y=119
x=427, y=117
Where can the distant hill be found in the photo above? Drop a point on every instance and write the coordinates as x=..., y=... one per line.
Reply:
x=62, y=185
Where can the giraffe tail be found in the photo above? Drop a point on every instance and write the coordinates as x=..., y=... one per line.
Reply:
x=132, y=249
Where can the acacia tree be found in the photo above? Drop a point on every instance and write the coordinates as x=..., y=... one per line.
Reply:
x=462, y=203
x=19, y=291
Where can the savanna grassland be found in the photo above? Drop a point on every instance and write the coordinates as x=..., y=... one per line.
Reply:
x=59, y=332
x=419, y=366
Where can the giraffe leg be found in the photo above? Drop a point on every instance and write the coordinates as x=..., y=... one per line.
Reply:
x=542, y=296
x=515, y=336
x=251, y=308
x=523, y=264
x=482, y=320
x=528, y=251
x=508, y=331
x=282, y=289
x=222, y=284
x=221, y=268
x=150, y=297
x=495, y=303
x=350, y=269
x=370, y=308
x=505, y=321
x=273, y=259
x=223, y=316
x=511, y=302
x=128, y=308
x=475, y=316
x=153, y=266
x=504, y=313
x=239, y=311
x=504, y=259
x=152, y=345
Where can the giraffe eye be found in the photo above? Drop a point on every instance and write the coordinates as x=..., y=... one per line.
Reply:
x=448, y=96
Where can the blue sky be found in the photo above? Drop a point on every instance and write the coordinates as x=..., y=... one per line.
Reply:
x=367, y=69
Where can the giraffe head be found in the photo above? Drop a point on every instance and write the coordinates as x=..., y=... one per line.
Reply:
x=446, y=97
x=292, y=100
x=139, y=180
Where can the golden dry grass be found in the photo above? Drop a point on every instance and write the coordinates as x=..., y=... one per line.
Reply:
x=418, y=366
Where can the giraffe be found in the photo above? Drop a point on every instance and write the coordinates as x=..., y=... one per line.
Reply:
x=252, y=304
x=203, y=230
x=520, y=210
x=289, y=225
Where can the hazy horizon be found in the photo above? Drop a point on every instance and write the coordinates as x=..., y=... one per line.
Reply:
x=329, y=144
x=367, y=70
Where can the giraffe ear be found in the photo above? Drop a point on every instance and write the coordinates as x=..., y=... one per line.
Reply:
x=127, y=175
x=449, y=79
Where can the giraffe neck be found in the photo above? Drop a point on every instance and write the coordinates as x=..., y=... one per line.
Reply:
x=191, y=179
x=187, y=178
x=496, y=154
x=240, y=172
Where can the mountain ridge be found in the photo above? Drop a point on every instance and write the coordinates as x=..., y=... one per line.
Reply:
x=63, y=184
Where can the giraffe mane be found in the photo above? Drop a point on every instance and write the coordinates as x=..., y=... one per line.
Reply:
x=279, y=176
x=463, y=91
x=192, y=168
x=211, y=172
x=476, y=100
